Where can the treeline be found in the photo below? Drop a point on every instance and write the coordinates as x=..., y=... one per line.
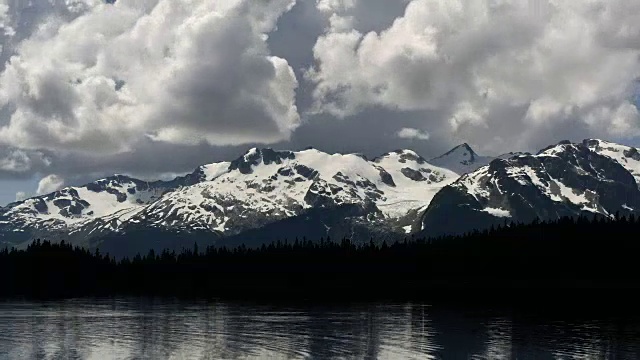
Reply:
x=584, y=253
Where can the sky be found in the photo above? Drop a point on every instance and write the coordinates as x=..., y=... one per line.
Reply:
x=154, y=88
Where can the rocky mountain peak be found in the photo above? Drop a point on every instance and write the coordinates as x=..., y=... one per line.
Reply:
x=461, y=159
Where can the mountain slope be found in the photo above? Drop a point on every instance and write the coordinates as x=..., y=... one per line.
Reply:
x=562, y=180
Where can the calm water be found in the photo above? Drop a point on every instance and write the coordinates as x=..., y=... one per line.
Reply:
x=155, y=329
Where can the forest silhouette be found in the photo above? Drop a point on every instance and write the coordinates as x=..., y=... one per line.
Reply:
x=570, y=253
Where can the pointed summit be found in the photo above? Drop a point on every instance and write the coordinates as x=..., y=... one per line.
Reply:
x=461, y=159
x=464, y=148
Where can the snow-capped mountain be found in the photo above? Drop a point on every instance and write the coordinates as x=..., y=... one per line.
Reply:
x=267, y=195
x=461, y=159
x=224, y=199
x=264, y=186
x=592, y=177
x=69, y=210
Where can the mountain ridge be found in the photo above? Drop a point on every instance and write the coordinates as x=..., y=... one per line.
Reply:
x=266, y=193
x=270, y=185
x=566, y=179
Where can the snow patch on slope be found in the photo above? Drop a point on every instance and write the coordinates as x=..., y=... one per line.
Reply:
x=408, y=193
x=212, y=171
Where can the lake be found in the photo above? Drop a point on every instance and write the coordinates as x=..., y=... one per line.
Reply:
x=172, y=329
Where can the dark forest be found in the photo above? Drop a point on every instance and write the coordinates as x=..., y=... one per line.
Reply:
x=596, y=255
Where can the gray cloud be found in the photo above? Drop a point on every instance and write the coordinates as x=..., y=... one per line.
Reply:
x=153, y=87
x=109, y=75
x=17, y=163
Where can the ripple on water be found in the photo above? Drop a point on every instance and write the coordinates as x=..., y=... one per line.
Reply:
x=158, y=329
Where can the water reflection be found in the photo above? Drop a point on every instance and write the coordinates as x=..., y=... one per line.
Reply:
x=161, y=329
x=499, y=340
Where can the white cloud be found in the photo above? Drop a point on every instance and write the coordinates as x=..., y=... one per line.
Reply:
x=495, y=72
x=184, y=71
x=131, y=87
x=411, y=133
x=49, y=184
x=21, y=195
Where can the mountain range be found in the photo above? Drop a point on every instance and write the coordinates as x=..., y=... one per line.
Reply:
x=267, y=195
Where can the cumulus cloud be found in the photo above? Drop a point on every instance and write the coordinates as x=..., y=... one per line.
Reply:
x=98, y=77
x=411, y=133
x=146, y=87
x=49, y=184
x=494, y=72
x=21, y=195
